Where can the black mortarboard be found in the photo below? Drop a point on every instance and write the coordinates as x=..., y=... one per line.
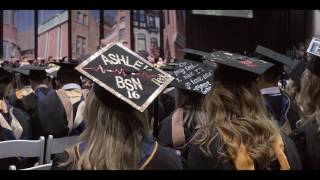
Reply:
x=193, y=76
x=194, y=55
x=241, y=62
x=6, y=73
x=117, y=70
x=273, y=57
x=314, y=65
x=24, y=72
x=297, y=71
x=34, y=72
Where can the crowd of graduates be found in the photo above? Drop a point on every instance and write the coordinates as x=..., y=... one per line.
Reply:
x=256, y=113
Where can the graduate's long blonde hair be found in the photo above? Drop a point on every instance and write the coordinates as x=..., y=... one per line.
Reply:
x=309, y=98
x=112, y=138
x=237, y=110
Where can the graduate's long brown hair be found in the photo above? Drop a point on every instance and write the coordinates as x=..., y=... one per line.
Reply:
x=236, y=108
x=193, y=107
x=309, y=98
x=112, y=137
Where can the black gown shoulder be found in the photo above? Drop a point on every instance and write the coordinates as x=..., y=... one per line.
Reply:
x=198, y=160
x=52, y=116
x=164, y=159
x=307, y=140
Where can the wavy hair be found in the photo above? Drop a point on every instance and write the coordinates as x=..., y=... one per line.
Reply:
x=237, y=110
x=309, y=99
x=112, y=138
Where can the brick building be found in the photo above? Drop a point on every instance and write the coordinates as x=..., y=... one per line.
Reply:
x=174, y=33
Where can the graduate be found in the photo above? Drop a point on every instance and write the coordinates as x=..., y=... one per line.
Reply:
x=193, y=81
x=238, y=134
x=307, y=137
x=60, y=113
x=279, y=104
x=27, y=99
x=14, y=123
x=117, y=134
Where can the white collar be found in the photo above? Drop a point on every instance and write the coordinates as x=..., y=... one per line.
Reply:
x=270, y=90
x=71, y=86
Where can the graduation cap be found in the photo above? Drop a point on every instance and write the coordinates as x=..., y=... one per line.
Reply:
x=236, y=67
x=314, y=47
x=193, y=76
x=6, y=73
x=273, y=57
x=297, y=71
x=194, y=55
x=314, y=65
x=34, y=72
x=123, y=77
x=24, y=72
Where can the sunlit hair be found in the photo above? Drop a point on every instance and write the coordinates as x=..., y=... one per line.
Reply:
x=309, y=100
x=112, y=138
x=237, y=109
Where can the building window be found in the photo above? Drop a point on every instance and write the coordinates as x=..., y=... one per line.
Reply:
x=121, y=34
x=135, y=15
x=141, y=43
x=122, y=19
x=151, y=22
x=85, y=19
x=154, y=42
x=79, y=17
x=80, y=46
x=141, y=16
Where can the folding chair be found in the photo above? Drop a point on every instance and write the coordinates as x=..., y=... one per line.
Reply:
x=40, y=167
x=23, y=148
x=58, y=145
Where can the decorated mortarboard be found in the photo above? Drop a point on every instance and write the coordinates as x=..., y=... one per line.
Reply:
x=194, y=55
x=274, y=57
x=297, y=71
x=240, y=62
x=193, y=76
x=126, y=75
x=314, y=49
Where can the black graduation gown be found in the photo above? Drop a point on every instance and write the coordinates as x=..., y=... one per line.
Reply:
x=165, y=137
x=29, y=104
x=165, y=134
x=281, y=106
x=166, y=104
x=164, y=159
x=52, y=116
x=307, y=139
x=197, y=160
